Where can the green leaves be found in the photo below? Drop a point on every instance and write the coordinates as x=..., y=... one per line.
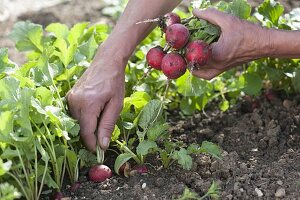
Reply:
x=4, y=166
x=272, y=10
x=211, y=148
x=253, y=84
x=36, y=132
x=59, y=30
x=189, y=85
x=239, y=8
x=144, y=147
x=150, y=113
x=296, y=80
x=8, y=192
x=27, y=36
x=183, y=158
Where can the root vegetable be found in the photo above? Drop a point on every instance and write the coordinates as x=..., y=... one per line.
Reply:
x=154, y=57
x=177, y=35
x=168, y=20
x=197, y=53
x=99, y=173
x=173, y=65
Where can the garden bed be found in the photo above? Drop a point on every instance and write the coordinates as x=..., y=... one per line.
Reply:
x=261, y=157
x=260, y=147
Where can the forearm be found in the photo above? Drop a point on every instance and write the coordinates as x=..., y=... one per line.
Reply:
x=284, y=44
x=127, y=34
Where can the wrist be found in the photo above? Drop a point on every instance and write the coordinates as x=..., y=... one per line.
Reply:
x=267, y=44
x=114, y=52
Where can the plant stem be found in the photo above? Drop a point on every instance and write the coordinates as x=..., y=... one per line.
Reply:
x=100, y=153
x=135, y=157
x=20, y=185
x=24, y=170
x=42, y=181
x=63, y=169
x=36, y=172
x=162, y=103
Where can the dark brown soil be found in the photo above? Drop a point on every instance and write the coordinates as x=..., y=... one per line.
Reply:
x=261, y=154
x=261, y=149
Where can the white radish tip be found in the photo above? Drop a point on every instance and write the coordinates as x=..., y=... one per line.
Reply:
x=148, y=21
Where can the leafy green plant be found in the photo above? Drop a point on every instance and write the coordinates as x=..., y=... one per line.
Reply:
x=213, y=192
x=145, y=132
x=38, y=136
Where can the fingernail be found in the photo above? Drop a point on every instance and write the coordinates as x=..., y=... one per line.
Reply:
x=105, y=142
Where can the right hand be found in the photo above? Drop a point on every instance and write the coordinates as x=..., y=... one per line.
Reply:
x=240, y=42
x=96, y=99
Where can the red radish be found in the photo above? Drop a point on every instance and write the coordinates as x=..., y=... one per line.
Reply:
x=177, y=35
x=141, y=169
x=58, y=196
x=197, y=53
x=99, y=173
x=173, y=65
x=168, y=20
x=75, y=187
x=125, y=169
x=270, y=95
x=154, y=57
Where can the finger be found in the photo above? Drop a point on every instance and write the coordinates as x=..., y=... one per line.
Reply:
x=73, y=109
x=207, y=73
x=88, y=126
x=210, y=14
x=108, y=119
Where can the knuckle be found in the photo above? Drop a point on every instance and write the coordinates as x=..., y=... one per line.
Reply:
x=108, y=127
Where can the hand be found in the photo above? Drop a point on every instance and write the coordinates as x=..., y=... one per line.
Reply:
x=96, y=99
x=240, y=42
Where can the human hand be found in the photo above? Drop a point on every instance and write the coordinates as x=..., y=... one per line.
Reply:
x=240, y=42
x=96, y=99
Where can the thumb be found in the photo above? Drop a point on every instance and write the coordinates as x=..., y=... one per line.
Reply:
x=109, y=117
x=210, y=14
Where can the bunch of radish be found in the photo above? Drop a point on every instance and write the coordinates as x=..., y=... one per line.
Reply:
x=186, y=47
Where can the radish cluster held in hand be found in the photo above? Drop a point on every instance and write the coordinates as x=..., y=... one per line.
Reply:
x=185, y=47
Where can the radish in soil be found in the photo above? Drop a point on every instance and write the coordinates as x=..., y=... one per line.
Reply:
x=173, y=65
x=177, y=35
x=168, y=20
x=154, y=57
x=197, y=53
x=141, y=169
x=75, y=187
x=99, y=172
x=125, y=169
x=58, y=196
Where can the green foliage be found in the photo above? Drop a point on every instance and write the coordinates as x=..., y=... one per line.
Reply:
x=213, y=193
x=8, y=192
x=271, y=10
x=37, y=136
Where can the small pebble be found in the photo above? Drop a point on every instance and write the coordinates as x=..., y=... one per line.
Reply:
x=229, y=197
x=258, y=192
x=279, y=182
x=280, y=192
x=159, y=182
x=144, y=185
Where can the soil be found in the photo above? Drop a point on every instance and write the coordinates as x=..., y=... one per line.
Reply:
x=261, y=157
x=261, y=147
